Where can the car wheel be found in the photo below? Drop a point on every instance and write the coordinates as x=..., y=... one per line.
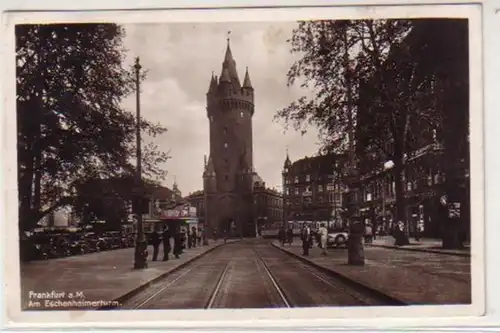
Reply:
x=339, y=240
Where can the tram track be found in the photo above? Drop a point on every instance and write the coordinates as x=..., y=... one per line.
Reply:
x=304, y=285
x=252, y=275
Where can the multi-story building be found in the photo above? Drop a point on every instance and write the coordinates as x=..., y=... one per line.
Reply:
x=197, y=199
x=423, y=174
x=268, y=206
x=312, y=190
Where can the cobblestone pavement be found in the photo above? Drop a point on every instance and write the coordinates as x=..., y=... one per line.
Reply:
x=413, y=277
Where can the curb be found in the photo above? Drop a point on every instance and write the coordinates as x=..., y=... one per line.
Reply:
x=140, y=288
x=392, y=301
x=402, y=248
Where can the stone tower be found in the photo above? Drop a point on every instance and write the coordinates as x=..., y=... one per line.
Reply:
x=228, y=174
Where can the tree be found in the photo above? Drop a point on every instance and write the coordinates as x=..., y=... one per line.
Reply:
x=71, y=127
x=336, y=57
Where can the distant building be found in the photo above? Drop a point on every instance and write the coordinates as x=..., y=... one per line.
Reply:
x=268, y=205
x=197, y=199
x=312, y=190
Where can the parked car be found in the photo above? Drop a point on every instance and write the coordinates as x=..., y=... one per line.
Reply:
x=337, y=238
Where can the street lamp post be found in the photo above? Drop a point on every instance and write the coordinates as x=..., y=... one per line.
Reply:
x=141, y=243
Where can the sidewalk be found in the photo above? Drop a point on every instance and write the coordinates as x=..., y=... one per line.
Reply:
x=423, y=245
x=408, y=284
x=104, y=276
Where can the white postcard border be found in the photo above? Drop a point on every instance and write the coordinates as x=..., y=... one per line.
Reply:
x=238, y=318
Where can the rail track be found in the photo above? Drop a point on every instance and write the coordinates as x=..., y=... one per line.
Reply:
x=251, y=275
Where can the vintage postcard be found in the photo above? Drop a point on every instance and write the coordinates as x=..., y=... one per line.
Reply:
x=295, y=163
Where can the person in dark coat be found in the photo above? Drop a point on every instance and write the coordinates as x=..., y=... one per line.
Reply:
x=282, y=236
x=306, y=240
x=177, y=243
x=194, y=236
x=289, y=235
x=166, y=243
x=155, y=241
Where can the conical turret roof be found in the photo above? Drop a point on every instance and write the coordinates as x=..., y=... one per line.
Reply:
x=213, y=84
x=230, y=65
x=246, y=82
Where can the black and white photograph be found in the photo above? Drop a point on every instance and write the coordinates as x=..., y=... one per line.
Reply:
x=247, y=164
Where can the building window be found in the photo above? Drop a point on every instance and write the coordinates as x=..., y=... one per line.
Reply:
x=320, y=188
x=241, y=114
x=320, y=199
x=296, y=179
x=308, y=188
x=225, y=129
x=308, y=178
x=225, y=145
x=296, y=191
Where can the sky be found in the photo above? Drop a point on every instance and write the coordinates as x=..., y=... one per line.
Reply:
x=180, y=59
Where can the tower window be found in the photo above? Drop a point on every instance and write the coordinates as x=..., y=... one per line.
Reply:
x=225, y=129
x=241, y=114
x=225, y=145
x=211, y=119
x=226, y=178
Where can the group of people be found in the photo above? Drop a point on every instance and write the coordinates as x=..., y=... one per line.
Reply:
x=192, y=236
x=307, y=236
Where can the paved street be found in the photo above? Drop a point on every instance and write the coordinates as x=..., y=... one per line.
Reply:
x=248, y=274
x=413, y=277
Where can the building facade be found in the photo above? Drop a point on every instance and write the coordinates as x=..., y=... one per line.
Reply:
x=426, y=160
x=268, y=206
x=313, y=190
x=197, y=199
x=228, y=173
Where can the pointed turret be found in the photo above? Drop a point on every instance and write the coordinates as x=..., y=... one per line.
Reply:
x=213, y=84
x=246, y=82
x=230, y=65
x=287, y=163
x=209, y=168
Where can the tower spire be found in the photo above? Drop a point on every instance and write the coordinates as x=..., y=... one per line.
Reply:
x=230, y=64
x=246, y=82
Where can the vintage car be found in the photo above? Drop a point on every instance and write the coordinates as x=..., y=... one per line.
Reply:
x=337, y=237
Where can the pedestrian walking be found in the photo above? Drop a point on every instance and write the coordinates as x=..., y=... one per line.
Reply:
x=194, y=236
x=418, y=232
x=368, y=233
x=289, y=235
x=306, y=240
x=166, y=243
x=199, y=233
x=189, y=238
x=282, y=236
x=155, y=241
x=323, y=235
